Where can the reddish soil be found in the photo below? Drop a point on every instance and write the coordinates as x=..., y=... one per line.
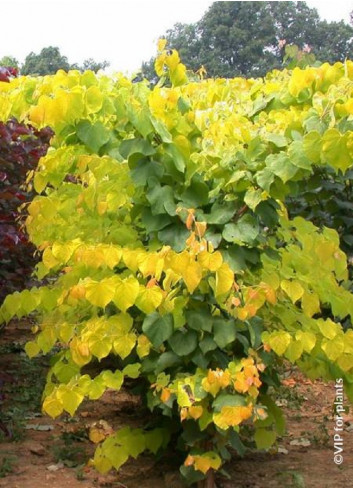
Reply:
x=57, y=457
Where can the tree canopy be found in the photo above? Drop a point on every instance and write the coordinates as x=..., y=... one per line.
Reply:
x=248, y=38
x=49, y=61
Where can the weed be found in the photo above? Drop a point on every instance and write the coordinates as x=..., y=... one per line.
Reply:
x=69, y=455
x=290, y=397
x=292, y=478
x=6, y=465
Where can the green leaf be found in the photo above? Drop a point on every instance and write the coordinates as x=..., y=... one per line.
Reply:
x=196, y=195
x=113, y=380
x=176, y=156
x=207, y=344
x=183, y=342
x=161, y=199
x=221, y=213
x=281, y=166
x=294, y=350
x=144, y=169
x=253, y=197
x=94, y=136
x=277, y=139
x=335, y=150
x=275, y=412
x=298, y=157
x=228, y=400
x=158, y=328
x=312, y=145
x=224, y=332
x=265, y=178
x=264, y=439
x=155, y=439
x=132, y=146
x=175, y=236
x=244, y=231
x=199, y=319
x=166, y=360
x=132, y=370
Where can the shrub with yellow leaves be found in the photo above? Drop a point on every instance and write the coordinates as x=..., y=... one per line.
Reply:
x=162, y=227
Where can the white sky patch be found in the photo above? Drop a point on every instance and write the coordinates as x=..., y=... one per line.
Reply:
x=123, y=33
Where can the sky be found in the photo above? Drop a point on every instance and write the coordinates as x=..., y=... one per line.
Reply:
x=123, y=33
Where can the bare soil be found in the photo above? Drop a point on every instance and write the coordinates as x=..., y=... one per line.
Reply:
x=41, y=452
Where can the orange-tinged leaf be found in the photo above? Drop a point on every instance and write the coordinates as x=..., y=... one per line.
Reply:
x=190, y=220
x=78, y=291
x=195, y=412
x=204, y=462
x=166, y=393
x=99, y=431
x=232, y=416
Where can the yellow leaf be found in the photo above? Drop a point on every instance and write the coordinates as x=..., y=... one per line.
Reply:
x=112, y=256
x=232, y=416
x=328, y=328
x=32, y=349
x=102, y=207
x=80, y=352
x=49, y=259
x=307, y=339
x=99, y=431
x=124, y=345
x=149, y=299
x=70, y=399
x=224, y=280
x=100, y=293
x=204, y=462
x=310, y=304
x=53, y=407
x=143, y=346
x=210, y=261
x=293, y=289
x=126, y=293
x=216, y=380
x=192, y=275
x=161, y=44
x=279, y=341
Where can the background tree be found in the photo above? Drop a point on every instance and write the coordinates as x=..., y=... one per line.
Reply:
x=9, y=61
x=243, y=38
x=47, y=62
x=50, y=60
x=91, y=64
